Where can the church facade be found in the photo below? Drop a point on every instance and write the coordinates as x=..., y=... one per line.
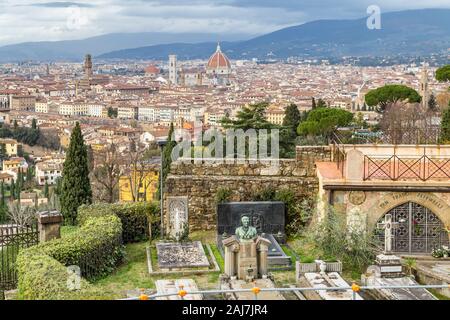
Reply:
x=217, y=71
x=411, y=183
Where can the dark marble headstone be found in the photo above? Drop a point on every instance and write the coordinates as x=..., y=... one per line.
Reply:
x=266, y=217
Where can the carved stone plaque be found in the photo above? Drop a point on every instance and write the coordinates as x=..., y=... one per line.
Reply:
x=357, y=197
x=178, y=216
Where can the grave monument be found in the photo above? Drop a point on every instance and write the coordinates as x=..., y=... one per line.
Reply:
x=247, y=220
x=246, y=253
x=388, y=271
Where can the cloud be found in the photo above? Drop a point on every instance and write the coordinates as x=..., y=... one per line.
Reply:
x=61, y=5
x=39, y=20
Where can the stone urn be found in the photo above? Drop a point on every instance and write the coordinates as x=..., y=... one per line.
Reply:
x=323, y=267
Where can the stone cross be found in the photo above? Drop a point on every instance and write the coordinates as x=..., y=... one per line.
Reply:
x=389, y=226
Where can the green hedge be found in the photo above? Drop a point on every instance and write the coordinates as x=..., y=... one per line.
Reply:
x=134, y=217
x=43, y=278
x=96, y=248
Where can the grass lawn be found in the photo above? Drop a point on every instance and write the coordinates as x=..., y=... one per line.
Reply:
x=133, y=275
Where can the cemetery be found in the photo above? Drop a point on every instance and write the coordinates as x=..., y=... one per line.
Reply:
x=256, y=243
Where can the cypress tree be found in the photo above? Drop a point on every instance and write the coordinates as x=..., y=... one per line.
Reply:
x=3, y=207
x=19, y=184
x=12, y=189
x=46, y=192
x=76, y=187
x=321, y=103
x=292, y=117
x=313, y=104
x=288, y=134
x=432, y=103
x=167, y=159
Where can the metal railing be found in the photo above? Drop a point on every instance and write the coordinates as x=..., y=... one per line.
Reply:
x=395, y=168
x=413, y=136
x=338, y=153
x=256, y=291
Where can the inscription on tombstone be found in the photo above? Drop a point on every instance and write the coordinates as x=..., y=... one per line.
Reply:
x=178, y=216
x=266, y=217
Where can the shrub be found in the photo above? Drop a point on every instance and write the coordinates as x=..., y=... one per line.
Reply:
x=356, y=249
x=41, y=277
x=135, y=218
x=223, y=195
x=298, y=213
x=96, y=248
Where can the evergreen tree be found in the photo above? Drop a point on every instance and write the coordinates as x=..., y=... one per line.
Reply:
x=3, y=154
x=292, y=117
x=20, y=150
x=33, y=124
x=19, y=184
x=380, y=98
x=251, y=117
x=321, y=104
x=288, y=134
x=167, y=159
x=76, y=187
x=313, y=105
x=15, y=125
x=3, y=206
x=30, y=174
x=432, y=103
x=445, y=126
x=46, y=191
x=12, y=189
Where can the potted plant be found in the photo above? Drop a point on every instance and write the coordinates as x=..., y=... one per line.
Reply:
x=410, y=265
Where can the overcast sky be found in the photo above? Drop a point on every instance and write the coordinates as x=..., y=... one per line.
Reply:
x=37, y=20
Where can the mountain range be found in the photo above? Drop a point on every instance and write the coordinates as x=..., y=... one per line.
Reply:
x=75, y=50
x=412, y=32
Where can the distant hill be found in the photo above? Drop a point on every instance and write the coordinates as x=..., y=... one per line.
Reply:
x=74, y=50
x=413, y=32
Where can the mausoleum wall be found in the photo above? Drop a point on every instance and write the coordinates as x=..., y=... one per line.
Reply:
x=201, y=181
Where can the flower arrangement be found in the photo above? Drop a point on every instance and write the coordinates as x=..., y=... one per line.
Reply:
x=442, y=252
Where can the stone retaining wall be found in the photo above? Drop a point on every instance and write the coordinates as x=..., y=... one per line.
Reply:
x=200, y=182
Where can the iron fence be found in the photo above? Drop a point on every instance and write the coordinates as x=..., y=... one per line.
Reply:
x=12, y=239
x=413, y=136
x=406, y=168
x=355, y=289
x=338, y=153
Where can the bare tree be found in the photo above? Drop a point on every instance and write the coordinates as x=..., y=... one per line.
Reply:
x=408, y=123
x=21, y=215
x=140, y=167
x=107, y=171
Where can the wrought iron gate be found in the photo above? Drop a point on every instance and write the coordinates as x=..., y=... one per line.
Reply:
x=419, y=230
x=12, y=239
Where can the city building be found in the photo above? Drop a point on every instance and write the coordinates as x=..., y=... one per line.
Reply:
x=49, y=172
x=11, y=147
x=139, y=185
x=219, y=67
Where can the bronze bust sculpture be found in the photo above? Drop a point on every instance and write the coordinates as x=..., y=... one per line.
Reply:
x=246, y=232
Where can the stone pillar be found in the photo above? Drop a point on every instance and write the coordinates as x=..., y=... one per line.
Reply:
x=262, y=245
x=354, y=165
x=247, y=261
x=49, y=224
x=231, y=246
